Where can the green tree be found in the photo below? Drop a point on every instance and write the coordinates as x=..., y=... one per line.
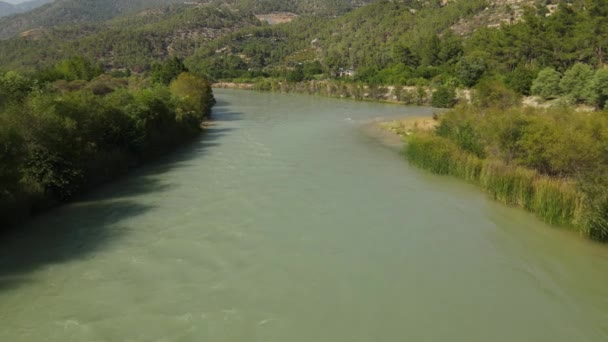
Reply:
x=520, y=80
x=194, y=95
x=495, y=94
x=76, y=68
x=547, y=84
x=166, y=72
x=296, y=75
x=575, y=83
x=470, y=71
x=597, y=91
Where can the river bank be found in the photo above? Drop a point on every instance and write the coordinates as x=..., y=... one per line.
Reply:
x=62, y=142
x=454, y=145
x=403, y=95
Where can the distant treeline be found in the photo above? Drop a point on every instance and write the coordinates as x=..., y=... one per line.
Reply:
x=70, y=127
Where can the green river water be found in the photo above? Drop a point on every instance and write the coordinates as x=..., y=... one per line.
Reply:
x=288, y=222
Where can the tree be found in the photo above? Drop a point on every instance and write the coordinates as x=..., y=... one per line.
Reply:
x=495, y=94
x=597, y=91
x=76, y=68
x=520, y=80
x=470, y=71
x=194, y=95
x=429, y=50
x=575, y=83
x=547, y=84
x=166, y=72
x=296, y=75
x=14, y=87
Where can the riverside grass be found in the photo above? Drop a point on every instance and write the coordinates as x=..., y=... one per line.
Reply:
x=555, y=200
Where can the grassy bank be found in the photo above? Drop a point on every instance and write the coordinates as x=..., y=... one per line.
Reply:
x=550, y=163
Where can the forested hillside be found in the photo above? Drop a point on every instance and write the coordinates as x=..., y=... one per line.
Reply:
x=411, y=43
x=62, y=12
x=73, y=11
x=131, y=42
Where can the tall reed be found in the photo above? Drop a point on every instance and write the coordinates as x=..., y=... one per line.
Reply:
x=555, y=200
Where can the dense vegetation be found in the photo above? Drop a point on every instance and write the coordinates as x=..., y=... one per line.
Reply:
x=413, y=43
x=551, y=162
x=130, y=43
x=70, y=127
x=63, y=12
x=409, y=42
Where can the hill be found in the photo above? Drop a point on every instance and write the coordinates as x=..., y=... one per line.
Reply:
x=7, y=9
x=132, y=41
x=456, y=43
x=63, y=12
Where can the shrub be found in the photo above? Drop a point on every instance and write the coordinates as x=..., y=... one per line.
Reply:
x=495, y=94
x=547, y=84
x=444, y=97
x=575, y=83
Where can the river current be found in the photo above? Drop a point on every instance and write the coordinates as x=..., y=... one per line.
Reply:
x=287, y=222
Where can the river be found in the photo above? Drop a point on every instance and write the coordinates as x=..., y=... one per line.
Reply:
x=286, y=222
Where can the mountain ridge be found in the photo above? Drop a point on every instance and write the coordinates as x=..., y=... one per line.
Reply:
x=7, y=8
x=62, y=12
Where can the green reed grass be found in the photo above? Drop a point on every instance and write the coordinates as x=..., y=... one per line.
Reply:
x=555, y=200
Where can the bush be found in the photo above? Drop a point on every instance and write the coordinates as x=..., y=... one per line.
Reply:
x=444, y=97
x=470, y=70
x=597, y=91
x=520, y=80
x=490, y=93
x=547, y=84
x=575, y=83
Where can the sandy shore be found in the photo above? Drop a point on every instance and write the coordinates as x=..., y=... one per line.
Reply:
x=392, y=133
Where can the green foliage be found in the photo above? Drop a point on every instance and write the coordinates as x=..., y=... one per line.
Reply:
x=194, y=95
x=520, y=80
x=550, y=162
x=470, y=71
x=444, y=97
x=457, y=127
x=547, y=84
x=597, y=91
x=75, y=68
x=490, y=93
x=14, y=87
x=575, y=83
x=131, y=42
x=296, y=75
x=166, y=72
x=58, y=139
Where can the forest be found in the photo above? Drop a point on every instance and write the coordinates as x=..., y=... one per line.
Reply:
x=410, y=44
x=70, y=127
